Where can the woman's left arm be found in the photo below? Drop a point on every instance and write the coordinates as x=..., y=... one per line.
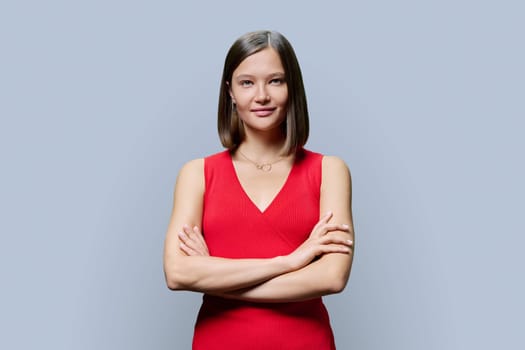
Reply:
x=328, y=274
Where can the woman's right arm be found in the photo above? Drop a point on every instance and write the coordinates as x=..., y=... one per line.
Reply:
x=213, y=274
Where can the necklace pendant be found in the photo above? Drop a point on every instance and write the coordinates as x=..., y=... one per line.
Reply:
x=266, y=167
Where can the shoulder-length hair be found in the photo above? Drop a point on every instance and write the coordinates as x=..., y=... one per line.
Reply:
x=296, y=127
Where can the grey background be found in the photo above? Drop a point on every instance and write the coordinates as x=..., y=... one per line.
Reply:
x=103, y=101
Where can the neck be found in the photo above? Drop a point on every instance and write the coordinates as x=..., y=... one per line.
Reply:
x=263, y=146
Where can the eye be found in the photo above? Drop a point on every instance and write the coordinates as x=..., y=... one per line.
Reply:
x=277, y=81
x=245, y=83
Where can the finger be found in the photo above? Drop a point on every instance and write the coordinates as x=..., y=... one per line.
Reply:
x=333, y=227
x=318, y=229
x=326, y=217
x=198, y=235
x=331, y=248
x=194, y=240
x=335, y=248
x=187, y=250
x=187, y=230
x=340, y=227
x=323, y=220
x=336, y=245
x=188, y=241
x=191, y=234
x=199, y=240
x=336, y=240
x=183, y=237
x=190, y=248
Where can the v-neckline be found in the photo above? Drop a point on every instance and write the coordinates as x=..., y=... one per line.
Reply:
x=275, y=197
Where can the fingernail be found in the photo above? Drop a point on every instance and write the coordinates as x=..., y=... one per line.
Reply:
x=328, y=213
x=345, y=226
x=350, y=241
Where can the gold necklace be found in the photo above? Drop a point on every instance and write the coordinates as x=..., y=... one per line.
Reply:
x=266, y=167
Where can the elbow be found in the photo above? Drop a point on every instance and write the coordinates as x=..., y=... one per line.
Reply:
x=177, y=274
x=175, y=280
x=337, y=278
x=336, y=283
x=173, y=283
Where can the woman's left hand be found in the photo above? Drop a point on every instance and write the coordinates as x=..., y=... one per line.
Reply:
x=192, y=241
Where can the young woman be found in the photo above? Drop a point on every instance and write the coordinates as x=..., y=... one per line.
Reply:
x=263, y=229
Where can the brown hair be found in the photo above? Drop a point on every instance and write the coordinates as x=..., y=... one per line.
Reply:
x=296, y=127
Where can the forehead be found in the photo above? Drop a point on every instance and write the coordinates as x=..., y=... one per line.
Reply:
x=266, y=61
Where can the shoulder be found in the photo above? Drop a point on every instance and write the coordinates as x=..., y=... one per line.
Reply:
x=335, y=172
x=333, y=164
x=336, y=185
x=191, y=176
x=192, y=168
x=329, y=164
x=195, y=171
x=196, y=167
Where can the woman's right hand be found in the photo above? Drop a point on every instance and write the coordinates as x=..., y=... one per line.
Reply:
x=320, y=242
x=192, y=241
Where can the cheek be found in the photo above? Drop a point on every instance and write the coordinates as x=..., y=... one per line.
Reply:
x=241, y=98
x=284, y=96
x=283, y=100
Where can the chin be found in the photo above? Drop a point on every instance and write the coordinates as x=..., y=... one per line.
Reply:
x=264, y=127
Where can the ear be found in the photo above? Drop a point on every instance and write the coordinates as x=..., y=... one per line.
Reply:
x=230, y=92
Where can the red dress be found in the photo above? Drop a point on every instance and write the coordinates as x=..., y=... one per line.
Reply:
x=235, y=228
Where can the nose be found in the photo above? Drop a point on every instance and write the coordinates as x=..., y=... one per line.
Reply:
x=262, y=95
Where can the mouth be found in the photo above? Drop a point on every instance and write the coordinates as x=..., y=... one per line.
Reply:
x=264, y=111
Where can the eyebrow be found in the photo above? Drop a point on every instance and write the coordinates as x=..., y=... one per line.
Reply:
x=273, y=75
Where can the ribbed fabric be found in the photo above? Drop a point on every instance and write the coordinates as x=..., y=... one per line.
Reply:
x=234, y=227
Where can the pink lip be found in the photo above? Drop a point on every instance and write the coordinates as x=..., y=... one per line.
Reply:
x=263, y=112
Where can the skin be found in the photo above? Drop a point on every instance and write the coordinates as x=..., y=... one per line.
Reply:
x=319, y=266
x=258, y=87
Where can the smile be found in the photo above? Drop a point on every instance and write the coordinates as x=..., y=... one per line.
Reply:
x=263, y=112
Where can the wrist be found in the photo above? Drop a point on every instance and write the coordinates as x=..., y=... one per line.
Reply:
x=284, y=263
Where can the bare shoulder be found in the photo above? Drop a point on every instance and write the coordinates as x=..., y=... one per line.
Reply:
x=335, y=167
x=194, y=169
x=191, y=175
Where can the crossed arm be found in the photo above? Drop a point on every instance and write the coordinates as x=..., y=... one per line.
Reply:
x=293, y=277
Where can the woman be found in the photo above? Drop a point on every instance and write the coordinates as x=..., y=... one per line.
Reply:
x=245, y=227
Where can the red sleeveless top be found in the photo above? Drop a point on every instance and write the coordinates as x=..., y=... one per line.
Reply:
x=234, y=227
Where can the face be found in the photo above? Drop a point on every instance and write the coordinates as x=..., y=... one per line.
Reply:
x=259, y=90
